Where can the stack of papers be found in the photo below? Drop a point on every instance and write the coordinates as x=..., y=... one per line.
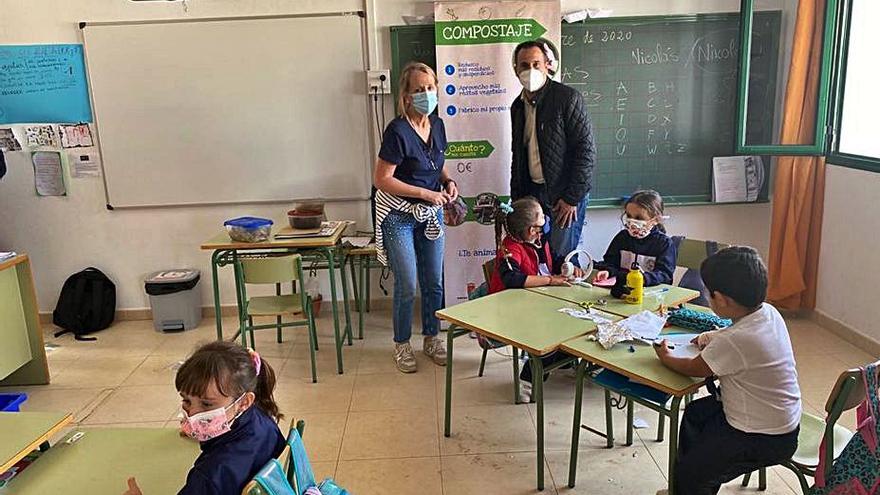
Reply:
x=6, y=255
x=357, y=242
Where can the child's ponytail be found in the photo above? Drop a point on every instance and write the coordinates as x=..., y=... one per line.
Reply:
x=501, y=212
x=264, y=392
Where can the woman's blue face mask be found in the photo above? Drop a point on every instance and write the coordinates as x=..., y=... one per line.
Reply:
x=425, y=102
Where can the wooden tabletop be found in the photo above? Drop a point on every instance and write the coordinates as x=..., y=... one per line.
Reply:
x=22, y=432
x=577, y=294
x=104, y=458
x=527, y=320
x=222, y=241
x=642, y=366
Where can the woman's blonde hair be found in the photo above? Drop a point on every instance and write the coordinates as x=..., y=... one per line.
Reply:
x=404, y=88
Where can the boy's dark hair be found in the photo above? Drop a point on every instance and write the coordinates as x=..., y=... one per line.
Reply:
x=531, y=44
x=517, y=222
x=737, y=272
x=232, y=368
x=651, y=201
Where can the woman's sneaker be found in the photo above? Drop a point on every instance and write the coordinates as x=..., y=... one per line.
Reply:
x=434, y=349
x=404, y=357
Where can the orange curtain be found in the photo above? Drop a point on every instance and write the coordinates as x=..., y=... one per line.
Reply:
x=799, y=190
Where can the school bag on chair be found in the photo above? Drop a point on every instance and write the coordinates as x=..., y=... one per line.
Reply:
x=87, y=304
x=856, y=471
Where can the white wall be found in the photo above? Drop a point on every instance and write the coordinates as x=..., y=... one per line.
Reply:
x=849, y=254
x=63, y=235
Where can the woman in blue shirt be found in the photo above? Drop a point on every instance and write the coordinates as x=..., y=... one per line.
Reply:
x=413, y=186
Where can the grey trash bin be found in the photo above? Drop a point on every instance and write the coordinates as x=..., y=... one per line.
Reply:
x=175, y=299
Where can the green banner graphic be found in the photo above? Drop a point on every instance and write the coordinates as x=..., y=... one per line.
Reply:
x=486, y=32
x=457, y=150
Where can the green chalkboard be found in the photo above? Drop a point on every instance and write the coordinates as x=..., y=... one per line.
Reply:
x=661, y=92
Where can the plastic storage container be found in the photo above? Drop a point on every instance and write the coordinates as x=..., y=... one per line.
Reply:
x=175, y=299
x=248, y=229
x=11, y=402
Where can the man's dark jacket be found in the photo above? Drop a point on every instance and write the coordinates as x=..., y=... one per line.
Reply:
x=565, y=141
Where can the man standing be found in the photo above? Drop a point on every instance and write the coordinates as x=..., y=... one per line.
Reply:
x=553, y=146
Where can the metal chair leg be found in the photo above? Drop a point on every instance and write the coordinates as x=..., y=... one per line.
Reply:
x=661, y=427
x=483, y=362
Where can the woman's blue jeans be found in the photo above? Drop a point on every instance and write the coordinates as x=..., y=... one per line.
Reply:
x=413, y=257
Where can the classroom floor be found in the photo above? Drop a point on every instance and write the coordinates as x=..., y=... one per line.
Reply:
x=377, y=431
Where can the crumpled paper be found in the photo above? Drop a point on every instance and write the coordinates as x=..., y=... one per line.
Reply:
x=643, y=326
x=613, y=332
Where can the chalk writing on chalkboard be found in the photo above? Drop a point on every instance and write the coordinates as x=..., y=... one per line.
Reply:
x=43, y=83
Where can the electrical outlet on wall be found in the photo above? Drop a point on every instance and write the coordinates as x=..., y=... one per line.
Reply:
x=379, y=81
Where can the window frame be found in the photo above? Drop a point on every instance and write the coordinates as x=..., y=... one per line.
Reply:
x=820, y=139
x=834, y=156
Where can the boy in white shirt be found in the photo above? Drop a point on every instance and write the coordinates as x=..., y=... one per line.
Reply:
x=754, y=420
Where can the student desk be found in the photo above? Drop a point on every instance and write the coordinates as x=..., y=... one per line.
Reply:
x=577, y=294
x=104, y=458
x=641, y=366
x=22, y=432
x=525, y=320
x=22, y=356
x=327, y=248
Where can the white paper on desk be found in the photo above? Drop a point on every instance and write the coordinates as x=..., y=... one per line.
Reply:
x=48, y=174
x=645, y=325
x=737, y=178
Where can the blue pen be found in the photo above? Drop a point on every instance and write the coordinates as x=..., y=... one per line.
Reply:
x=654, y=292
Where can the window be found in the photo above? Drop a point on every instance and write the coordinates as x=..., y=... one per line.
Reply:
x=755, y=94
x=856, y=141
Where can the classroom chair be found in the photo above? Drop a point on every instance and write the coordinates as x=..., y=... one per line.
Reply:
x=276, y=476
x=690, y=255
x=274, y=269
x=488, y=270
x=848, y=392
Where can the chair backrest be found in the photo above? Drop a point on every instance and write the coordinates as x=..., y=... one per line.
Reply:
x=847, y=393
x=254, y=488
x=271, y=269
x=272, y=478
x=692, y=253
x=488, y=270
x=300, y=471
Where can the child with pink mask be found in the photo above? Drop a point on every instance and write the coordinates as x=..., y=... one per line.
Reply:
x=226, y=397
x=643, y=240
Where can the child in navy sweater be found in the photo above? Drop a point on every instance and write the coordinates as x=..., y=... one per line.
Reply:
x=226, y=397
x=642, y=240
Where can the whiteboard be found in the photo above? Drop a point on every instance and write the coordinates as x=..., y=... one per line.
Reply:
x=230, y=110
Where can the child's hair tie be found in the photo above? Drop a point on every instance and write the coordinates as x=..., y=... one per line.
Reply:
x=507, y=207
x=255, y=357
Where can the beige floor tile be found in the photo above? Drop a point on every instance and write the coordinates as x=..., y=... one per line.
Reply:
x=558, y=417
x=390, y=434
x=489, y=429
x=144, y=403
x=324, y=470
x=510, y=474
x=298, y=363
x=388, y=391
x=80, y=401
x=323, y=434
x=605, y=471
x=332, y=393
x=155, y=370
x=96, y=372
x=490, y=389
x=385, y=476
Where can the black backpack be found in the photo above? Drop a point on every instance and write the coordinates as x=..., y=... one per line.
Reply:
x=87, y=304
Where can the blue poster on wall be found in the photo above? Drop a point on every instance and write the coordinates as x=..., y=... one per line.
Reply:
x=43, y=84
